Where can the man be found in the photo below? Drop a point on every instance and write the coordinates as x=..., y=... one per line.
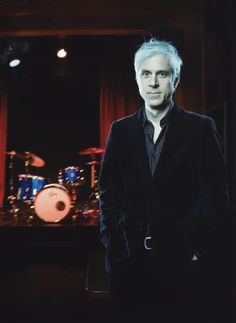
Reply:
x=163, y=196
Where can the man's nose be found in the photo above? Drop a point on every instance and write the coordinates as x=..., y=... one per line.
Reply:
x=153, y=80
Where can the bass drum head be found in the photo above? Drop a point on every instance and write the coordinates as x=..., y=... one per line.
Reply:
x=52, y=203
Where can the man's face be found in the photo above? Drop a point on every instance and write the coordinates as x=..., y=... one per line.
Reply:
x=156, y=82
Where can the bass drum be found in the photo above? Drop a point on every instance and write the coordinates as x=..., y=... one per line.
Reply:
x=52, y=203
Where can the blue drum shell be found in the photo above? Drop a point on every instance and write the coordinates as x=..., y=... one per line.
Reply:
x=29, y=186
x=70, y=174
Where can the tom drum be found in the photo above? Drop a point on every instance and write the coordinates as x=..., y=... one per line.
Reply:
x=71, y=176
x=29, y=186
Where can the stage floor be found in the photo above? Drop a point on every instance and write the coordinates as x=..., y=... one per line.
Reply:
x=52, y=272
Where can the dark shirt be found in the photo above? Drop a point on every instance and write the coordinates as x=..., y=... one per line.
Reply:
x=154, y=149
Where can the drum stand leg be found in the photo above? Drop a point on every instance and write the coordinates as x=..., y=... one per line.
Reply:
x=92, y=201
x=13, y=207
x=90, y=208
x=30, y=213
x=75, y=211
x=73, y=195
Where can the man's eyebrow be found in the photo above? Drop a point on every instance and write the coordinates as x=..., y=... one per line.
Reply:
x=160, y=71
x=165, y=71
x=145, y=70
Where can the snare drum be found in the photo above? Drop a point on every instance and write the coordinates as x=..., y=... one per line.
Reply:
x=72, y=176
x=52, y=203
x=29, y=186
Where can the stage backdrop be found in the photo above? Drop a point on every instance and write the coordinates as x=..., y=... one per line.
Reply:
x=3, y=139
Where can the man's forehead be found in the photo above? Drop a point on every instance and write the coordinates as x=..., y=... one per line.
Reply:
x=159, y=61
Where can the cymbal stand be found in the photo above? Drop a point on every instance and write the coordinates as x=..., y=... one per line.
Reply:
x=27, y=162
x=12, y=197
x=11, y=179
x=94, y=195
x=28, y=205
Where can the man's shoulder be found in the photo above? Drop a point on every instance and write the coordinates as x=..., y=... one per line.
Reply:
x=129, y=119
x=196, y=118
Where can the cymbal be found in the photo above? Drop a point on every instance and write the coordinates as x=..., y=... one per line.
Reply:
x=28, y=156
x=91, y=151
x=94, y=162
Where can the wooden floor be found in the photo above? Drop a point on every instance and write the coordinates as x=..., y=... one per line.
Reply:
x=52, y=274
x=51, y=294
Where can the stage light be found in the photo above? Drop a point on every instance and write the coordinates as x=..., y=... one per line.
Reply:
x=61, y=53
x=13, y=51
x=14, y=56
x=14, y=62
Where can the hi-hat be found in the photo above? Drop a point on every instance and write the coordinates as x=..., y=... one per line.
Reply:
x=29, y=157
x=91, y=151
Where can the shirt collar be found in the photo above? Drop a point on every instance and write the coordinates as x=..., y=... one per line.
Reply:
x=163, y=121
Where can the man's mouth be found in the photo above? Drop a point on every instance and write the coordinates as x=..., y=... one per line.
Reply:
x=154, y=93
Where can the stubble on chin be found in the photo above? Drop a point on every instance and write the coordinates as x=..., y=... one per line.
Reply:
x=158, y=107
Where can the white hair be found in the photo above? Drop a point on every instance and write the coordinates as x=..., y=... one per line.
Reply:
x=154, y=46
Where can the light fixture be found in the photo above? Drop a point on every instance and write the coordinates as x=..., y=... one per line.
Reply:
x=13, y=51
x=13, y=56
x=61, y=53
x=13, y=62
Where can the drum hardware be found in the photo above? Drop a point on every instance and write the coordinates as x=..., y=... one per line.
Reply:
x=72, y=177
x=92, y=201
x=14, y=209
x=16, y=204
x=33, y=199
x=28, y=188
x=11, y=199
x=29, y=158
x=92, y=151
x=93, y=173
x=11, y=179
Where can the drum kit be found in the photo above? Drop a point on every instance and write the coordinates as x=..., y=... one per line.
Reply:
x=34, y=198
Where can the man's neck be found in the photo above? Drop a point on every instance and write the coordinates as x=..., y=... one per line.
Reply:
x=155, y=115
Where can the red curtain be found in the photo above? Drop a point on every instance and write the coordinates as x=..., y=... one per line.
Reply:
x=119, y=94
x=118, y=98
x=3, y=140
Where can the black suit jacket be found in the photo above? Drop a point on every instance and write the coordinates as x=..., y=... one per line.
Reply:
x=185, y=202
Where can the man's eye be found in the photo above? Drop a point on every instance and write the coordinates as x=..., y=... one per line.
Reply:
x=163, y=74
x=145, y=74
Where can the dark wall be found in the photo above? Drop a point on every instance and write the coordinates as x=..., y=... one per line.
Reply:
x=220, y=71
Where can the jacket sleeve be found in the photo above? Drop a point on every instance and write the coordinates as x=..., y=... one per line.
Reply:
x=110, y=186
x=211, y=237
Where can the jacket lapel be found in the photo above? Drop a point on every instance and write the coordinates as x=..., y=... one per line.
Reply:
x=173, y=144
x=140, y=153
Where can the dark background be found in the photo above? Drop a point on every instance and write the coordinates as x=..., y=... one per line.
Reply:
x=53, y=111
x=53, y=104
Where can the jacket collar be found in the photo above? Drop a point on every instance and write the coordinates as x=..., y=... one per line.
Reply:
x=172, y=117
x=173, y=142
